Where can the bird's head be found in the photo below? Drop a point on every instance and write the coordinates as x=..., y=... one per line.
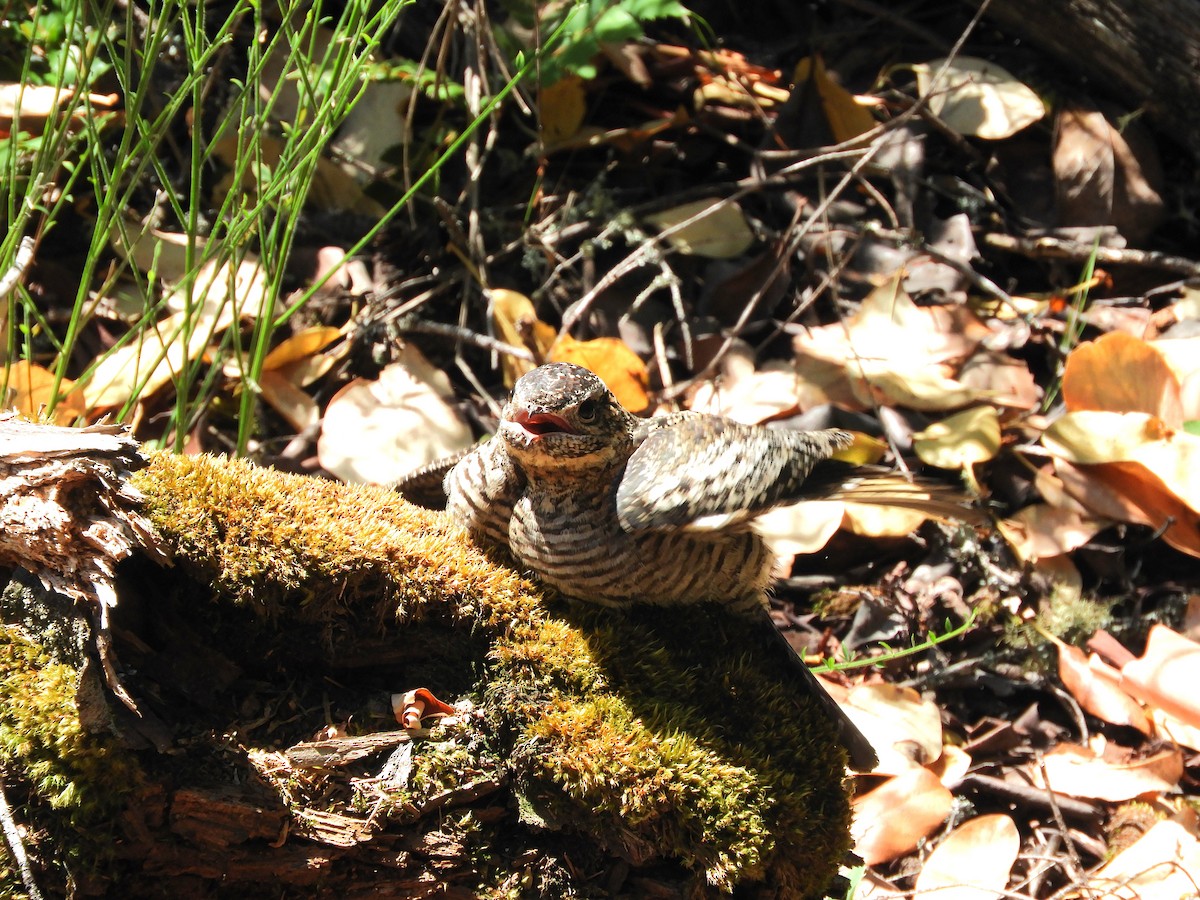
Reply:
x=562, y=415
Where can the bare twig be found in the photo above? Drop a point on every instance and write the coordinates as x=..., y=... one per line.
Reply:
x=467, y=336
x=16, y=271
x=1079, y=252
x=16, y=847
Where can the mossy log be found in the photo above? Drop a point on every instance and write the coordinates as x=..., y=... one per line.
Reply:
x=648, y=753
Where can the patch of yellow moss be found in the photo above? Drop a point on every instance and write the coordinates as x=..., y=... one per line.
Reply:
x=660, y=734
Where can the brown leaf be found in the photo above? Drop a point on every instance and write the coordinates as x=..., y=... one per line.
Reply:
x=377, y=431
x=562, y=106
x=1079, y=772
x=1166, y=674
x=1120, y=373
x=973, y=862
x=1096, y=686
x=1163, y=864
x=1101, y=179
x=891, y=820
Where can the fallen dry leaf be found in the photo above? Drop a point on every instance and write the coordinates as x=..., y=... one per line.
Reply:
x=714, y=228
x=976, y=97
x=1163, y=864
x=1120, y=373
x=621, y=370
x=288, y=399
x=1151, y=473
x=961, y=440
x=516, y=322
x=1078, y=772
x=951, y=766
x=222, y=293
x=1165, y=675
x=875, y=520
x=1041, y=530
x=751, y=395
x=30, y=388
x=374, y=432
x=1096, y=686
x=1183, y=356
x=904, y=728
x=895, y=352
x=1005, y=380
x=893, y=819
x=847, y=117
x=32, y=105
x=800, y=527
x=561, y=108
x=973, y=862
x=1172, y=729
x=1106, y=174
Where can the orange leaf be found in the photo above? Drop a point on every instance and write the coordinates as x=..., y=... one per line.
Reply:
x=610, y=358
x=1120, y=373
x=1096, y=687
x=31, y=388
x=1166, y=674
x=891, y=820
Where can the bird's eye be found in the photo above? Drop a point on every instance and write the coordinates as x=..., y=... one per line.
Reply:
x=588, y=411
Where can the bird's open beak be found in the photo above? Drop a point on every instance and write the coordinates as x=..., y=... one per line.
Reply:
x=538, y=424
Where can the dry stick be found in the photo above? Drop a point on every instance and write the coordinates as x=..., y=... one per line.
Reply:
x=1056, y=811
x=467, y=336
x=851, y=176
x=16, y=847
x=1079, y=252
x=21, y=261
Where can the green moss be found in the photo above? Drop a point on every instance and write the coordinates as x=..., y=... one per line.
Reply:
x=78, y=780
x=658, y=742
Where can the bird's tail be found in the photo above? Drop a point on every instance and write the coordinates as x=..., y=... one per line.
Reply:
x=836, y=480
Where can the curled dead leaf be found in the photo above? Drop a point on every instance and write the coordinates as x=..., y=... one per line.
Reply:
x=1096, y=686
x=1166, y=674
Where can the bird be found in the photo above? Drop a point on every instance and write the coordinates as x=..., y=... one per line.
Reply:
x=613, y=509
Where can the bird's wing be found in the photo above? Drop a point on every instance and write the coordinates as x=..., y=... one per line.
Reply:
x=689, y=467
x=426, y=486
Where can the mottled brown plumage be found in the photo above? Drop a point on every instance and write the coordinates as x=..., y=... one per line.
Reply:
x=609, y=508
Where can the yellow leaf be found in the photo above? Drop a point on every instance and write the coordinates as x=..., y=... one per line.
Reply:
x=301, y=345
x=618, y=367
x=563, y=106
x=960, y=441
x=977, y=97
x=847, y=118
x=515, y=322
x=715, y=229
x=30, y=389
